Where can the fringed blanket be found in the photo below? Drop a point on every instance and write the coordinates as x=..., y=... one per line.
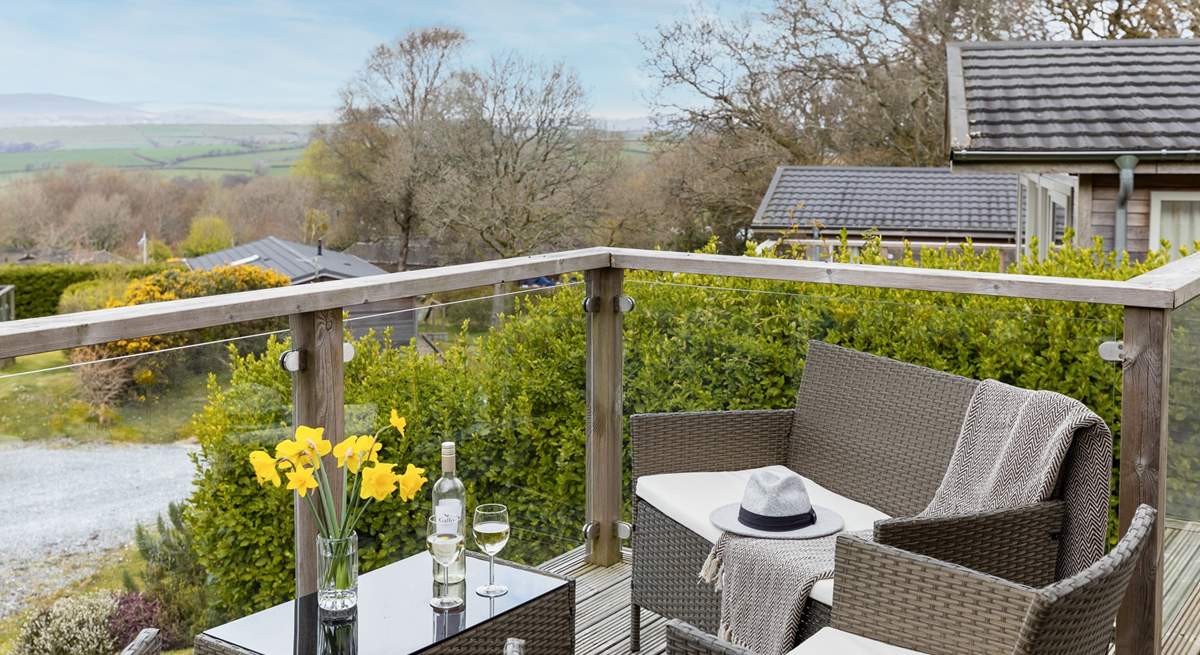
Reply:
x=1010, y=453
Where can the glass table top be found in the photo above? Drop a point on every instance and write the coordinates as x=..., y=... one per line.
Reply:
x=393, y=614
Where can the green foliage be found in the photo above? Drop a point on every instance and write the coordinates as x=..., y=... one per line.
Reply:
x=514, y=400
x=207, y=234
x=158, y=250
x=174, y=578
x=40, y=286
x=91, y=294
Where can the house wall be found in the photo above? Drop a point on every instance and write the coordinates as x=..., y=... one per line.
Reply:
x=1098, y=204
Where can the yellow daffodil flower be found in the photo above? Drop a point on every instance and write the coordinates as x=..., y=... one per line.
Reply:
x=398, y=422
x=411, y=482
x=354, y=451
x=378, y=481
x=264, y=467
x=301, y=480
x=290, y=451
x=314, y=442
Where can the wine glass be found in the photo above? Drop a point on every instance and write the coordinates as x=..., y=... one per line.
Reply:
x=445, y=542
x=491, y=534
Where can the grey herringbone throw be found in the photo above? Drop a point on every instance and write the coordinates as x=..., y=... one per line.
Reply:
x=1010, y=453
x=764, y=584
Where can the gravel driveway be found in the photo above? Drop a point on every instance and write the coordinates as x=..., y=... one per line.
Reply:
x=65, y=505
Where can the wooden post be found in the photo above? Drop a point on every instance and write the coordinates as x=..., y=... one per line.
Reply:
x=318, y=400
x=605, y=368
x=1144, y=470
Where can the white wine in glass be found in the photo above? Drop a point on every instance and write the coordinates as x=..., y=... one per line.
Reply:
x=491, y=534
x=445, y=542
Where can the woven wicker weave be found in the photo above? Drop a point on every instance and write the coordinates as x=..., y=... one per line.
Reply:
x=870, y=428
x=916, y=602
x=147, y=642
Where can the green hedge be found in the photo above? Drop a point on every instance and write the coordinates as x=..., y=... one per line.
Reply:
x=514, y=399
x=39, y=286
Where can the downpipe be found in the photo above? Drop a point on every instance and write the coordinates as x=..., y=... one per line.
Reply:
x=1126, y=164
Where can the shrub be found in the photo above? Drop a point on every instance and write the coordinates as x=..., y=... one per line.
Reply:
x=40, y=286
x=159, y=251
x=514, y=398
x=105, y=382
x=206, y=234
x=174, y=579
x=92, y=294
x=71, y=626
x=133, y=613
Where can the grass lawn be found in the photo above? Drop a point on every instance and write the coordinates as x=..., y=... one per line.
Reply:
x=48, y=405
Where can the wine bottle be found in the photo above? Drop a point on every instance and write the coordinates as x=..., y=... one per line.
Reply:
x=449, y=503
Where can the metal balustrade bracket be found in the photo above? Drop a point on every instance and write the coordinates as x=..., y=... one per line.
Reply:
x=622, y=304
x=624, y=530
x=292, y=361
x=591, y=531
x=347, y=352
x=1113, y=351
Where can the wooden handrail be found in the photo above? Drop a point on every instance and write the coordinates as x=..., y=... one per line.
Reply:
x=1165, y=288
x=35, y=335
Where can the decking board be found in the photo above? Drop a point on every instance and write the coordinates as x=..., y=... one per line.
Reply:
x=602, y=606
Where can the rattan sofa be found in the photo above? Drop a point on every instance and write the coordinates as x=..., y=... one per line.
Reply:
x=874, y=430
x=890, y=596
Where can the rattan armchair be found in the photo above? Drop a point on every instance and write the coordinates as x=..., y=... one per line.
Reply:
x=147, y=642
x=872, y=429
x=903, y=599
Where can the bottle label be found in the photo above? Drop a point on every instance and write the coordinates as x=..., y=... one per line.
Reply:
x=449, y=514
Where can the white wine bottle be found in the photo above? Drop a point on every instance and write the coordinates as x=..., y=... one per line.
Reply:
x=449, y=503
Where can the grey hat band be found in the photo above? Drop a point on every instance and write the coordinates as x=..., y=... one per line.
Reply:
x=776, y=523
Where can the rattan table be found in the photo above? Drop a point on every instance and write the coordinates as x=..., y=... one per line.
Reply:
x=394, y=617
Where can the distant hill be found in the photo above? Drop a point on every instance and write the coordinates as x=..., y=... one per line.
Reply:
x=52, y=110
x=46, y=109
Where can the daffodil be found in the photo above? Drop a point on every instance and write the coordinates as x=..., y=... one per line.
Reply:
x=398, y=422
x=314, y=442
x=378, y=481
x=264, y=467
x=290, y=452
x=354, y=451
x=411, y=482
x=301, y=480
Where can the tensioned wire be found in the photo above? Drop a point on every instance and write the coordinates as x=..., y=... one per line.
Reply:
x=282, y=331
x=834, y=298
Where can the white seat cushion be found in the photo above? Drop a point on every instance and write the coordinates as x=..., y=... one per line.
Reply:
x=689, y=498
x=831, y=641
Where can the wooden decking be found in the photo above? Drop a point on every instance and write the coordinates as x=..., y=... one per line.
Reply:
x=1181, y=588
x=602, y=606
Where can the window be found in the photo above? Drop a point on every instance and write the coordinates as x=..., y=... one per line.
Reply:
x=1174, y=217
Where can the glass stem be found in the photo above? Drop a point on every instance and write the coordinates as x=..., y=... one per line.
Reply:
x=446, y=580
x=491, y=570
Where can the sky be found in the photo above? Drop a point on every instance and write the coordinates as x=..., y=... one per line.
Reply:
x=291, y=57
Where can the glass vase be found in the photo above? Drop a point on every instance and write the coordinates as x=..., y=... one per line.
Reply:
x=337, y=573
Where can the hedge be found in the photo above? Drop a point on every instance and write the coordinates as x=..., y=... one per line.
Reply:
x=514, y=398
x=39, y=286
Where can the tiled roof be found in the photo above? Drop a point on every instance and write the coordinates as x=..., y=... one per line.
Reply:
x=298, y=261
x=893, y=200
x=1137, y=95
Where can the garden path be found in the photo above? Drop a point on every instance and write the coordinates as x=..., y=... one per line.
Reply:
x=66, y=505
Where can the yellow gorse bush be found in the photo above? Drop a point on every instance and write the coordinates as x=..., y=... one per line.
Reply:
x=365, y=479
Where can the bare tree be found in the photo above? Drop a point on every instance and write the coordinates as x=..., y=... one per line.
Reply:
x=1126, y=19
x=376, y=160
x=525, y=166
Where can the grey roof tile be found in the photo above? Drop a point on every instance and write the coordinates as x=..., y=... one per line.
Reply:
x=298, y=261
x=918, y=200
x=1132, y=95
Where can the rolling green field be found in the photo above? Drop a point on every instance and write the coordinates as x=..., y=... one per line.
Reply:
x=170, y=150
